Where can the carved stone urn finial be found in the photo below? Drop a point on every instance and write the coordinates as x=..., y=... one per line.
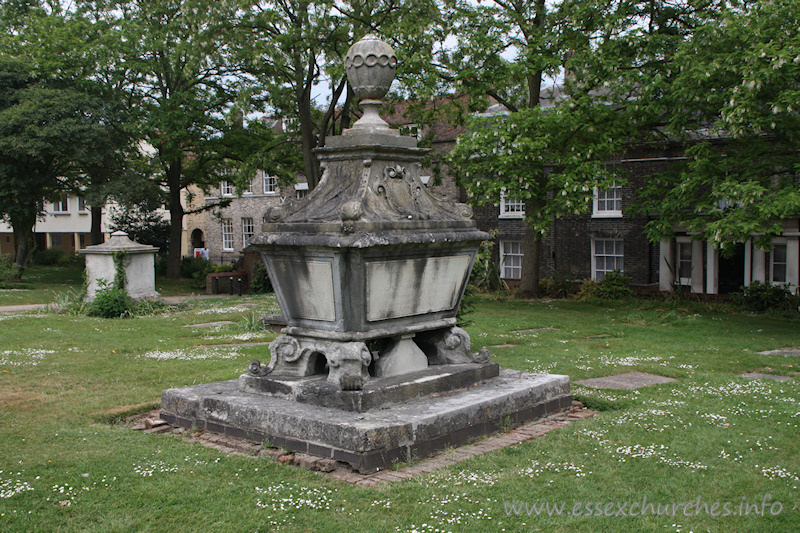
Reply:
x=370, y=65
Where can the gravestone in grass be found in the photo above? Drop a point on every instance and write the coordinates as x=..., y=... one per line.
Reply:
x=369, y=268
x=123, y=262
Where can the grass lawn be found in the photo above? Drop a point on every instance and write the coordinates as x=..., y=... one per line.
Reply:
x=40, y=284
x=710, y=437
x=43, y=284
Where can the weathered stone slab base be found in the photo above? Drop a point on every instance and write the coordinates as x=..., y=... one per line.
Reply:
x=629, y=381
x=376, y=391
x=375, y=439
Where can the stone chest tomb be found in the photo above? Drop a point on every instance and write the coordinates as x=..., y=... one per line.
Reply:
x=369, y=269
x=137, y=260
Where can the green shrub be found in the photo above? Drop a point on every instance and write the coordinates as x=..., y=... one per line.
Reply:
x=67, y=260
x=251, y=322
x=112, y=302
x=614, y=286
x=190, y=265
x=207, y=267
x=555, y=287
x=8, y=268
x=48, y=256
x=224, y=267
x=161, y=265
x=485, y=274
x=194, y=267
x=761, y=296
x=149, y=307
x=588, y=290
x=261, y=282
x=71, y=301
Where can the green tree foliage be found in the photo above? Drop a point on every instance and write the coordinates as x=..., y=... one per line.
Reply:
x=59, y=128
x=49, y=130
x=738, y=82
x=143, y=225
x=716, y=80
x=552, y=158
x=172, y=60
x=294, y=47
x=240, y=150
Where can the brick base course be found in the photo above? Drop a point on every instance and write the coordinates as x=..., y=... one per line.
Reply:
x=342, y=472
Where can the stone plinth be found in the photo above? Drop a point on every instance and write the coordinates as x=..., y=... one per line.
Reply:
x=412, y=424
x=376, y=393
x=138, y=260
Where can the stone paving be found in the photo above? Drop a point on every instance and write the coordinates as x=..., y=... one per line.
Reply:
x=794, y=352
x=340, y=471
x=759, y=375
x=629, y=381
x=209, y=324
x=21, y=308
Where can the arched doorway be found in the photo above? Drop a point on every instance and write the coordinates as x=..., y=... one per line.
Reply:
x=197, y=239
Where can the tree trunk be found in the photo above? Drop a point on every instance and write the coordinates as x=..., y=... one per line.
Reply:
x=529, y=282
x=96, y=228
x=174, y=172
x=304, y=108
x=307, y=135
x=532, y=247
x=329, y=120
x=348, y=103
x=22, y=227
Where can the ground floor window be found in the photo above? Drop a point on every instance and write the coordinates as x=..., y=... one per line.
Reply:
x=511, y=259
x=247, y=231
x=227, y=234
x=607, y=257
x=685, y=262
x=777, y=264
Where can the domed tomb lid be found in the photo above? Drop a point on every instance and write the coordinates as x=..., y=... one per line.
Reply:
x=118, y=242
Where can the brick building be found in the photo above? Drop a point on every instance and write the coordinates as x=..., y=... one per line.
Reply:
x=227, y=231
x=611, y=238
x=576, y=247
x=585, y=246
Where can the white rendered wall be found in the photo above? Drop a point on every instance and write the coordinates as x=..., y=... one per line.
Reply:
x=140, y=274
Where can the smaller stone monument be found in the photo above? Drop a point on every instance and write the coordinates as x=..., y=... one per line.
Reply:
x=138, y=260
